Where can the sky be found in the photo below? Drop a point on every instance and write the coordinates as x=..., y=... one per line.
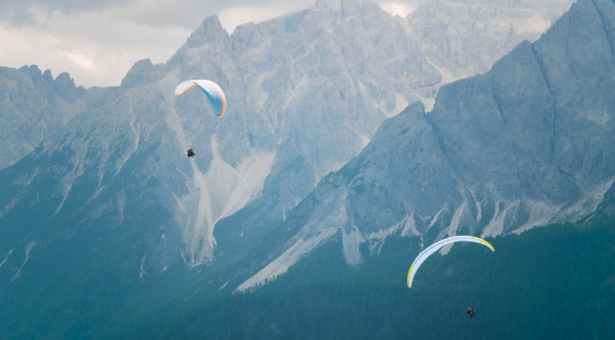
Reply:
x=98, y=41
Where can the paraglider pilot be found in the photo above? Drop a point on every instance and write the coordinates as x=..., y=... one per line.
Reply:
x=470, y=312
x=190, y=152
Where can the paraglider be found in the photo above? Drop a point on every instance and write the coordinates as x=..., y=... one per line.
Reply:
x=212, y=90
x=435, y=247
x=214, y=93
x=470, y=312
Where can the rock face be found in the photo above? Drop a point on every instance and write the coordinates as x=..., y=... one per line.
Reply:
x=306, y=93
x=32, y=108
x=525, y=144
x=465, y=37
x=310, y=88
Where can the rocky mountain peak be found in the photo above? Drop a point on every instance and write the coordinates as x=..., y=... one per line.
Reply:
x=142, y=72
x=210, y=32
x=34, y=106
x=65, y=87
x=48, y=77
x=342, y=9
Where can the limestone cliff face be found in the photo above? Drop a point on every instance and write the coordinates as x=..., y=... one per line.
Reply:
x=535, y=130
x=465, y=37
x=306, y=92
x=526, y=144
x=32, y=108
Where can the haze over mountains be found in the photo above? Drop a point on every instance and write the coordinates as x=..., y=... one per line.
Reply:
x=112, y=195
x=307, y=92
x=458, y=38
x=309, y=89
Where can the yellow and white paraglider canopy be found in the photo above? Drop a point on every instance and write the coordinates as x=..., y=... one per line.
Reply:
x=435, y=247
x=212, y=90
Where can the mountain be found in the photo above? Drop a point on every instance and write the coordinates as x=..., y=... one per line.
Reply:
x=525, y=144
x=34, y=106
x=112, y=198
x=449, y=40
x=310, y=88
x=465, y=37
x=108, y=213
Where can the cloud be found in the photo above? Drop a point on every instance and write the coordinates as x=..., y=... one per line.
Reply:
x=19, y=12
x=234, y=16
x=95, y=48
x=397, y=8
x=186, y=13
x=97, y=42
x=79, y=59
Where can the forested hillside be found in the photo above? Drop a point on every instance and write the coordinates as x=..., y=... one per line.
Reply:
x=556, y=282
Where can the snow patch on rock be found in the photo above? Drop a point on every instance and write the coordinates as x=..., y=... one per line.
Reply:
x=29, y=247
x=540, y=215
x=141, y=270
x=435, y=218
x=452, y=228
x=496, y=225
x=6, y=257
x=409, y=226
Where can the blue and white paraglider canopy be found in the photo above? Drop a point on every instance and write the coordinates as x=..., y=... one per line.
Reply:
x=212, y=90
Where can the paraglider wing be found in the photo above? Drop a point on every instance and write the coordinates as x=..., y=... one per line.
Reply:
x=435, y=247
x=212, y=90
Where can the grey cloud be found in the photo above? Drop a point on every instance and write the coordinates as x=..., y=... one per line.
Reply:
x=110, y=35
x=62, y=5
x=16, y=12
x=189, y=13
x=414, y=3
x=186, y=13
x=155, y=13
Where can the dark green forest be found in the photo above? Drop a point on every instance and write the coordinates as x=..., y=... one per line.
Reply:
x=555, y=282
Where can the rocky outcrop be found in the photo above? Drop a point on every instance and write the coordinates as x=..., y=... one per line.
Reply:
x=33, y=107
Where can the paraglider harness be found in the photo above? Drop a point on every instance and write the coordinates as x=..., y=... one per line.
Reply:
x=470, y=312
x=190, y=152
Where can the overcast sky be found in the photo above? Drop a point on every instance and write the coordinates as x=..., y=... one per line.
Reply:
x=98, y=41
